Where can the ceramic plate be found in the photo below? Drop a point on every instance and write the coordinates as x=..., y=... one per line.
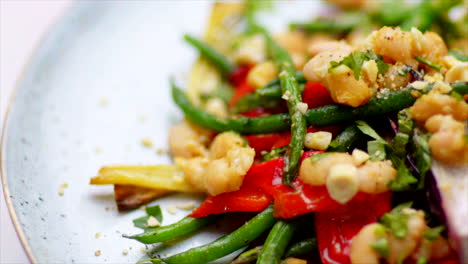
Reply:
x=96, y=86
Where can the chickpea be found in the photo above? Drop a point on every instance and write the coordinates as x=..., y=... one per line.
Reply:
x=223, y=169
x=374, y=176
x=342, y=182
x=292, y=41
x=331, y=45
x=435, y=103
x=361, y=251
x=186, y=140
x=432, y=46
x=448, y=141
x=316, y=69
x=394, y=44
x=194, y=171
x=261, y=74
x=226, y=174
x=437, y=249
x=217, y=107
x=449, y=146
x=400, y=249
x=316, y=173
x=251, y=50
x=457, y=73
x=224, y=142
x=345, y=89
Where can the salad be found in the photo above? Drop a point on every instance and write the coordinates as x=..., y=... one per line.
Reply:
x=342, y=139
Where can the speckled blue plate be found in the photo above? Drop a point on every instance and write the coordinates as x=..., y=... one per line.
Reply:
x=96, y=86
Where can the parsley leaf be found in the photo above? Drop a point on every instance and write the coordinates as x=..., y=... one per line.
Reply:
x=396, y=222
x=318, y=157
x=422, y=155
x=405, y=128
x=274, y=153
x=433, y=233
x=368, y=130
x=379, y=149
x=381, y=246
x=356, y=59
x=142, y=222
x=404, y=176
x=376, y=149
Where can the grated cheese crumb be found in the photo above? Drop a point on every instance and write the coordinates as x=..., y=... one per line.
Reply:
x=97, y=150
x=186, y=206
x=97, y=253
x=147, y=142
x=172, y=209
x=302, y=107
x=152, y=222
x=419, y=85
x=125, y=252
x=104, y=101
x=61, y=189
x=286, y=95
x=97, y=235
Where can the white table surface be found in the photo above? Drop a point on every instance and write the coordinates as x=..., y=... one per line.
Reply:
x=23, y=23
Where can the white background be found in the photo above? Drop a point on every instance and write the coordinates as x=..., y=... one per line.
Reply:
x=23, y=23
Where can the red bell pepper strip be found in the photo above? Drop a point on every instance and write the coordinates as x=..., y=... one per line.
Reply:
x=239, y=75
x=263, y=142
x=316, y=95
x=336, y=228
x=246, y=200
x=288, y=201
x=241, y=90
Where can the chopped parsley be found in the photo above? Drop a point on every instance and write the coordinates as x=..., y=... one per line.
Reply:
x=433, y=233
x=274, y=153
x=396, y=222
x=422, y=155
x=151, y=211
x=428, y=63
x=381, y=246
x=379, y=149
x=356, y=59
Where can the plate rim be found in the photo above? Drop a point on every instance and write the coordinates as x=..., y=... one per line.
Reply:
x=54, y=30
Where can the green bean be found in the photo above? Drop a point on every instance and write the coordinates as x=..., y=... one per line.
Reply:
x=228, y=243
x=428, y=63
x=345, y=139
x=293, y=97
x=164, y=233
x=212, y=55
x=301, y=248
x=276, y=242
x=322, y=26
x=248, y=256
x=251, y=102
x=421, y=18
x=323, y=116
x=266, y=97
x=344, y=23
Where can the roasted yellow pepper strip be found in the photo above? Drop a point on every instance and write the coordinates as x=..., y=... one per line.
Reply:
x=166, y=177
